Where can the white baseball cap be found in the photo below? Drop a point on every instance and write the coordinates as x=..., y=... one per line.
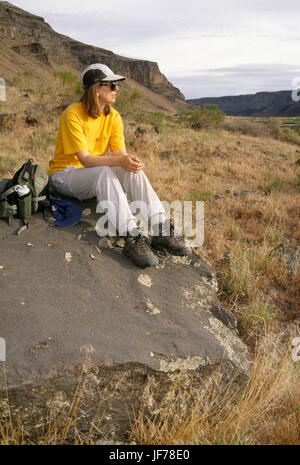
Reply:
x=98, y=72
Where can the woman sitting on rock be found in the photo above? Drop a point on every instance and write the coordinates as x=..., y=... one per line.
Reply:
x=79, y=168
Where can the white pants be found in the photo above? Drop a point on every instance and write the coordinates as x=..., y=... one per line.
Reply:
x=112, y=184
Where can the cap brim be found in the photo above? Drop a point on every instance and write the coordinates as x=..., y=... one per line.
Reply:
x=114, y=77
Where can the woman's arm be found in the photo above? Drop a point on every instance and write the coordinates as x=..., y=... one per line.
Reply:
x=117, y=158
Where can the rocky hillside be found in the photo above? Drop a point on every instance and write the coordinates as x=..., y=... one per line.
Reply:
x=260, y=104
x=28, y=42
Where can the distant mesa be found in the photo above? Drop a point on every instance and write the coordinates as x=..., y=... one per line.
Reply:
x=267, y=104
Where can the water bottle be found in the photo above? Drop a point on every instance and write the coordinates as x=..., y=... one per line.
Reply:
x=24, y=202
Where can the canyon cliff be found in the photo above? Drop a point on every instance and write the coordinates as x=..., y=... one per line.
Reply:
x=27, y=41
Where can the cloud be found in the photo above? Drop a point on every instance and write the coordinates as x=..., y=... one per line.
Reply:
x=181, y=38
x=237, y=46
x=246, y=79
x=111, y=29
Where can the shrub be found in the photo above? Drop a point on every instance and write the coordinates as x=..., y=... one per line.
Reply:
x=126, y=101
x=245, y=268
x=67, y=82
x=7, y=164
x=259, y=312
x=17, y=79
x=296, y=182
x=28, y=74
x=21, y=79
x=208, y=116
x=270, y=183
x=289, y=135
x=199, y=195
x=252, y=127
x=156, y=119
x=42, y=141
x=286, y=134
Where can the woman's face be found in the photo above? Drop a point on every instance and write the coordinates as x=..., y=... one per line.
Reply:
x=106, y=95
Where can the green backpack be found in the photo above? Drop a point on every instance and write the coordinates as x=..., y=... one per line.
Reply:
x=25, y=193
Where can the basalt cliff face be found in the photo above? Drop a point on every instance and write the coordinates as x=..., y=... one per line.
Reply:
x=25, y=37
x=267, y=104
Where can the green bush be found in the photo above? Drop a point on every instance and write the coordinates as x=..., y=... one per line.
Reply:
x=154, y=118
x=259, y=312
x=208, y=116
x=295, y=182
x=290, y=135
x=42, y=142
x=199, y=195
x=21, y=79
x=287, y=134
x=126, y=101
x=17, y=79
x=67, y=82
x=28, y=75
x=270, y=183
x=251, y=127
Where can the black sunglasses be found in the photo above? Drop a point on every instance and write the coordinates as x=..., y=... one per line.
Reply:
x=112, y=84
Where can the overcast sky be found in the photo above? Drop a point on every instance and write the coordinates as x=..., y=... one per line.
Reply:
x=207, y=48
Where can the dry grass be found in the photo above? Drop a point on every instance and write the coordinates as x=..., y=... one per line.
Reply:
x=253, y=415
x=266, y=410
x=58, y=420
x=251, y=188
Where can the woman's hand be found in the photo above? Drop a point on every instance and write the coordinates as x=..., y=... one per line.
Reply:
x=118, y=158
x=131, y=163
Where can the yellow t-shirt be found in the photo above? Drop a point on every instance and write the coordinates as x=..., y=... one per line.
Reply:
x=77, y=131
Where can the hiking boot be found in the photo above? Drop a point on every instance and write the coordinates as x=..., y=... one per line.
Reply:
x=174, y=244
x=138, y=249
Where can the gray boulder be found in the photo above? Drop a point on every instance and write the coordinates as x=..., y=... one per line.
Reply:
x=67, y=303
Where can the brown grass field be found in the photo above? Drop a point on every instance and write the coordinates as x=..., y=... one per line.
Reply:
x=250, y=182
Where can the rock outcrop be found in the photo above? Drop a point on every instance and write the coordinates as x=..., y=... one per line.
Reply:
x=30, y=36
x=267, y=104
x=66, y=297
